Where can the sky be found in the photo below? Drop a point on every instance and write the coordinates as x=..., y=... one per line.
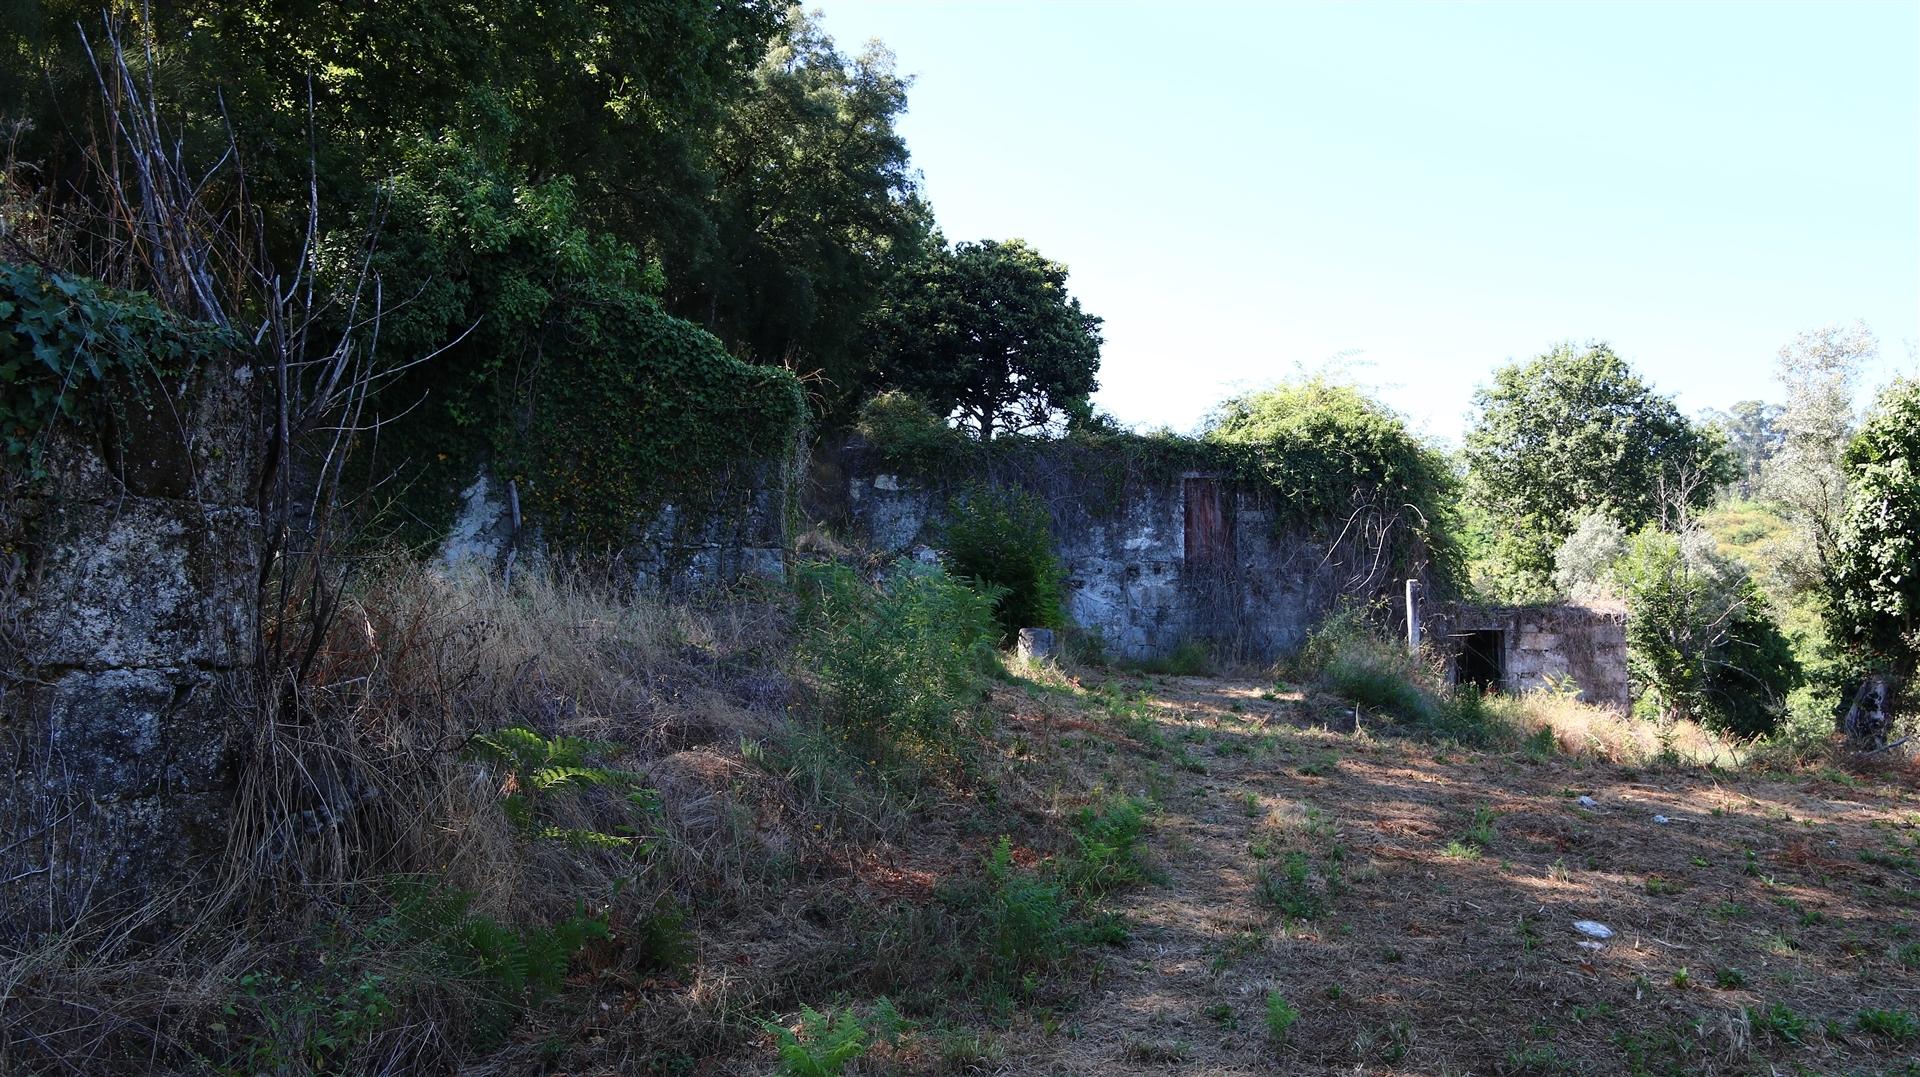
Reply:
x=1414, y=194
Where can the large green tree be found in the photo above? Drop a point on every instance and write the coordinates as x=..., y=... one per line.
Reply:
x=1874, y=587
x=814, y=208
x=619, y=97
x=987, y=334
x=1576, y=431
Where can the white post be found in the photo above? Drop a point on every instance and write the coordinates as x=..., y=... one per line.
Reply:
x=1413, y=616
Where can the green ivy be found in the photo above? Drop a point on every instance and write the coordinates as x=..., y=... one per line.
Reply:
x=64, y=337
x=566, y=376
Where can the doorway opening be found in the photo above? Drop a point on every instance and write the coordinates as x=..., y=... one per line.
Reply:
x=1480, y=658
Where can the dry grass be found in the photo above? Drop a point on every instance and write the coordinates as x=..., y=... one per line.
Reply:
x=1787, y=889
x=1583, y=730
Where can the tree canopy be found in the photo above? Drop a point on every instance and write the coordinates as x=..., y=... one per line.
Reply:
x=987, y=334
x=1874, y=590
x=1576, y=430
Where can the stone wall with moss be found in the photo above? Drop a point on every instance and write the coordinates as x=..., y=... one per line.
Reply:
x=1159, y=549
x=128, y=635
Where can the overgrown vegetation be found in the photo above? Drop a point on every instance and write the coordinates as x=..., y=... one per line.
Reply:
x=897, y=662
x=1003, y=538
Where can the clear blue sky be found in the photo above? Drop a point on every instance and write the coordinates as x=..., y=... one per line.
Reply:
x=1433, y=189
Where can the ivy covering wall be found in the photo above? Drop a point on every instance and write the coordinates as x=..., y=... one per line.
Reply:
x=566, y=376
x=63, y=338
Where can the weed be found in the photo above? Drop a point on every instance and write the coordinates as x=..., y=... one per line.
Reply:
x=824, y=1045
x=1481, y=833
x=1896, y=1025
x=1895, y=861
x=1459, y=850
x=310, y=1025
x=538, y=768
x=1778, y=1021
x=1909, y=955
x=1321, y=765
x=1189, y=659
x=1109, y=839
x=1536, y=1058
x=1156, y=1052
x=1026, y=917
x=1221, y=1014
x=1292, y=888
x=1656, y=886
x=1280, y=1016
x=1728, y=978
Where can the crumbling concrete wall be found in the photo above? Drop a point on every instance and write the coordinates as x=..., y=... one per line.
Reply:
x=1152, y=561
x=738, y=526
x=130, y=653
x=1544, y=647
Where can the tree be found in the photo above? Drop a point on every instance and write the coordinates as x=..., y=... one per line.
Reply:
x=1753, y=434
x=1701, y=643
x=814, y=207
x=1874, y=587
x=1807, y=478
x=987, y=334
x=1584, y=564
x=1577, y=431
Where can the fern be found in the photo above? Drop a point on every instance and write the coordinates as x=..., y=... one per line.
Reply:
x=826, y=1046
x=538, y=767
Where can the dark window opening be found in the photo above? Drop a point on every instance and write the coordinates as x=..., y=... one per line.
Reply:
x=1480, y=663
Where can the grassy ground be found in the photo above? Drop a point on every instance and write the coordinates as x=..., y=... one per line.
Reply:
x=680, y=869
x=1414, y=905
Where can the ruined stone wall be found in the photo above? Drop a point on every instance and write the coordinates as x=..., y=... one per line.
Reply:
x=1152, y=561
x=739, y=526
x=1546, y=646
x=130, y=655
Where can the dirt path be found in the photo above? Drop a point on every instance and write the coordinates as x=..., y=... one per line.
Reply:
x=1415, y=907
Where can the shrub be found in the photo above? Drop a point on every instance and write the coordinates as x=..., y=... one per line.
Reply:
x=1701, y=643
x=1003, y=538
x=897, y=662
x=1329, y=452
x=907, y=434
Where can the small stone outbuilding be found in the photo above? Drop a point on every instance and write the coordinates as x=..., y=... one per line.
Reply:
x=1535, y=648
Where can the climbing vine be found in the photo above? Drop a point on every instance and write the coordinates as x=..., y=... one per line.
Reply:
x=63, y=337
x=1327, y=457
x=566, y=377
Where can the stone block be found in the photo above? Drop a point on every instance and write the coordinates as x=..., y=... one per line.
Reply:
x=144, y=582
x=1037, y=645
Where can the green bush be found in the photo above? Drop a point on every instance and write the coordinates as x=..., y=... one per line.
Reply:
x=906, y=433
x=1109, y=845
x=1328, y=451
x=1701, y=641
x=1003, y=537
x=897, y=663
